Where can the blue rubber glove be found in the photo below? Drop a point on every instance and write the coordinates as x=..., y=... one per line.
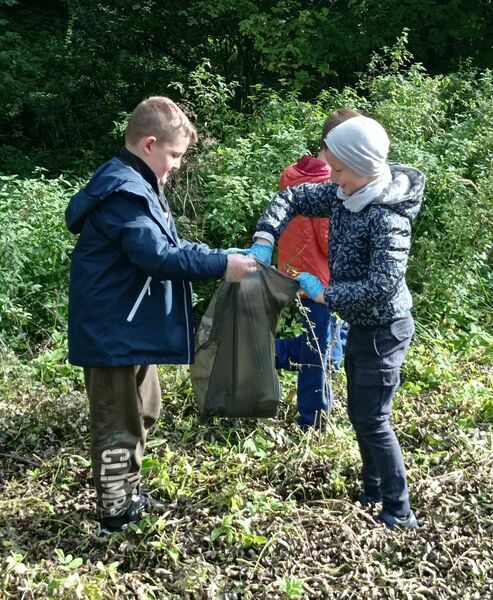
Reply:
x=262, y=252
x=311, y=285
x=235, y=251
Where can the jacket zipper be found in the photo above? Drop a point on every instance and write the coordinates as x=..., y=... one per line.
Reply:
x=188, y=322
x=140, y=297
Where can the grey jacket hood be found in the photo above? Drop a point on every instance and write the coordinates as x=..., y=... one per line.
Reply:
x=405, y=192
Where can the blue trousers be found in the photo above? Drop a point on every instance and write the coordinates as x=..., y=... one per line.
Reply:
x=308, y=354
x=373, y=359
x=337, y=341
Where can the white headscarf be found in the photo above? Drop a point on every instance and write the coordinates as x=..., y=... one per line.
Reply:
x=362, y=144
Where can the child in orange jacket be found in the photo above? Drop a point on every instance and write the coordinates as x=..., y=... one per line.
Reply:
x=303, y=246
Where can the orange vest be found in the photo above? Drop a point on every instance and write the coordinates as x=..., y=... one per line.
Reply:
x=304, y=244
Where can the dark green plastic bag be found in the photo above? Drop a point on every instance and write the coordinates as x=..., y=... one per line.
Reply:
x=234, y=372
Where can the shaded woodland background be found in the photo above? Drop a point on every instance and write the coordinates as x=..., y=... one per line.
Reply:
x=69, y=68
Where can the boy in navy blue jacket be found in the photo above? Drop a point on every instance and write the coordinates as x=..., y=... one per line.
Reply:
x=371, y=205
x=130, y=298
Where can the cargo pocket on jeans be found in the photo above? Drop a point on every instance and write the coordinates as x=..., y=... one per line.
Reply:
x=371, y=395
x=376, y=377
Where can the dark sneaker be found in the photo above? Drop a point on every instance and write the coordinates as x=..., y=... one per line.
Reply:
x=391, y=521
x=141, y=502
x=151, y=505
x=133, y=514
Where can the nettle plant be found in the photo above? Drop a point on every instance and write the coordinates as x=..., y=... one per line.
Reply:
x=35, y=250
x=452, y=254
x=241, y=174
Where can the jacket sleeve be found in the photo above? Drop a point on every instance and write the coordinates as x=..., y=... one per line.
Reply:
x=390, y=241
x=128, y=223
x=197, y=247
x=308, y=199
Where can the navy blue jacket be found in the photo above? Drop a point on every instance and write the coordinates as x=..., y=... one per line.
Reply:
x=368, y=250
x=130, y=292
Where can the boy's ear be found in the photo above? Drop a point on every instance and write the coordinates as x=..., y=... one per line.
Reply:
x=146, y=143
x=323, y=155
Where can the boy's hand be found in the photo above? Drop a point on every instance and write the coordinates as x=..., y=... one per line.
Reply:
x=238, y=267
x=312, y=286
x=261, y=250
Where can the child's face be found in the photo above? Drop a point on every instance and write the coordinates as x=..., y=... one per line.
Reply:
x=344, y=176
x=165, y=157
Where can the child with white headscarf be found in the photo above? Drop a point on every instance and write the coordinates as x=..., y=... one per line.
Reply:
x=371, y=204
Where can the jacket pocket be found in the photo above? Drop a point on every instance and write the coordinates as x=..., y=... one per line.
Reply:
x=140, y=297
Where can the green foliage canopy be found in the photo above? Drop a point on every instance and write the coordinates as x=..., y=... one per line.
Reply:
x=440, y=124
x=68, y=69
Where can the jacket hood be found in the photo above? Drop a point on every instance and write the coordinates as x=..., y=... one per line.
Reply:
x=405, y=192
x=310, y=166
x=307, y=168
x=111, y=177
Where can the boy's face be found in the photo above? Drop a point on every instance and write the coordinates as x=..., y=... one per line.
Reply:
x=343, y=175
x=164, y=157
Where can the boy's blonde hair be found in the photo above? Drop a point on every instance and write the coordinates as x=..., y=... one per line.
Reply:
x=161, y=117
x=336, y=118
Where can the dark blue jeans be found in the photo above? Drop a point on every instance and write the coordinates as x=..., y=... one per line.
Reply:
x=373, y=359
x=302, y=354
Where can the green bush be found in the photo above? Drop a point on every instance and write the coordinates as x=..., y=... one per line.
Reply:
x=35, y=251
x=440, y=124
x=241, y=173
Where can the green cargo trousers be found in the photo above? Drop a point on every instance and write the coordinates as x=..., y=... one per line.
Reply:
x=124, y=403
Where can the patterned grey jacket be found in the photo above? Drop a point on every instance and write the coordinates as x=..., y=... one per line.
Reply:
x=368, y=250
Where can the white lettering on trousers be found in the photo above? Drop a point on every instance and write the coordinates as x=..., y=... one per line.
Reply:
x=114, y=494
